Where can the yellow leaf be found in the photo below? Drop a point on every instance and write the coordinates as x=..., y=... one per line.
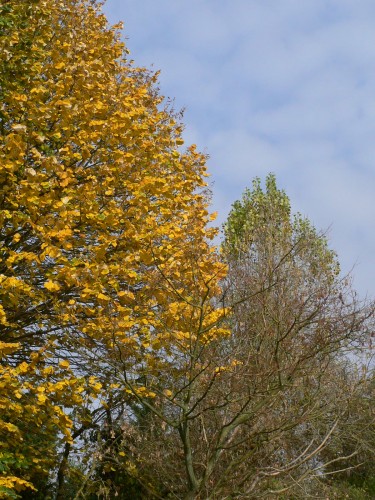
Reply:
x=23, y=367
x=42, y=398
x=63, y=103
x=52, y=286
x=65, y=182
x=101, y=296
x=3, y=321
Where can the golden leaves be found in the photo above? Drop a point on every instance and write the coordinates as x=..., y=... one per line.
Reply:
x=64, y=363
x=3, y=321
x=29, y=399
x=19, y=97
x=14, y=483
x=52, y=286
x=103, y=297
x=8, y=347
x=42, y=398
x=50, y=251
x=65, y=103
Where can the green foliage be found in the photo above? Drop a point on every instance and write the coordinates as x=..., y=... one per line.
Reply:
x=260, y=226
x=257, y=211
x=293, y=319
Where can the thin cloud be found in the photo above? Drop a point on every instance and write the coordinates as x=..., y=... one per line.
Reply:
x=274, y=85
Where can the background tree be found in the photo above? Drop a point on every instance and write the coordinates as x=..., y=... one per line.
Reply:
x=294, y=322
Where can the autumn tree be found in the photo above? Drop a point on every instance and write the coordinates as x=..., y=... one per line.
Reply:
x=104, y=243
x=294, y=321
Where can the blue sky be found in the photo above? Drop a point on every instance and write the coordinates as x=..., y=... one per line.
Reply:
x=274, y=85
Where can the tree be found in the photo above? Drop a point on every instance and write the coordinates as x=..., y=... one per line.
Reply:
x=104, y=232
x=294, y=321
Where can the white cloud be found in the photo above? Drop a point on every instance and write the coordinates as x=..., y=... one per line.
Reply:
x=275, y=85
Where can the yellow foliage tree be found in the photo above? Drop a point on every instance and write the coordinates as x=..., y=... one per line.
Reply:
x=34, y=398
x=105, y=253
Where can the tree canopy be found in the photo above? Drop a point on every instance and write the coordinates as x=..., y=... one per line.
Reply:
x=104, y=240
